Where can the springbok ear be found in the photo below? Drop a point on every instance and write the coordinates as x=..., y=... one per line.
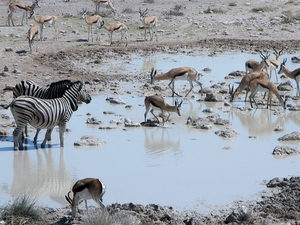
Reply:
x=68, y=198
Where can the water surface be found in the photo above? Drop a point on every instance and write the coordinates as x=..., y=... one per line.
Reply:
x=175, y=165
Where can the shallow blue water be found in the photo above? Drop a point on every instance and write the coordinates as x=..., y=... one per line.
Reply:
x=177, y=165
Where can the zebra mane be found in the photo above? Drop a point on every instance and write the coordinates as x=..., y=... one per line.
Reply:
x=60, y=84
x=57, y=89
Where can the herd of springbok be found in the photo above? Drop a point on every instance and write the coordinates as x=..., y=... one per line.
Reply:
x=149, y=22
x=257, y=79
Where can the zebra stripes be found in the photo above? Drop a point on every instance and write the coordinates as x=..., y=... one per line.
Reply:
x=54, y=90
x=45, y=113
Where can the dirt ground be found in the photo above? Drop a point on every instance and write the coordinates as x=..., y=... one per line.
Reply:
x=208, y=28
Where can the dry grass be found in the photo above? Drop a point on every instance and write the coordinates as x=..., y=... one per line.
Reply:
x=232, y=4
x=215, y=10
x=22, y=211
x=175, y=11
x=262, y=9
x=290, y=17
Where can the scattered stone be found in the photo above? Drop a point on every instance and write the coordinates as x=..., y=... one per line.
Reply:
x=286, y=86
x=284, y=150
x=220, y=121
x=132, y=124
x=279, y=128
x=106, y=128
x=239, y=215
x=4, y=74
x=227, y=103
x=226, y=133
x=93, y=120
x=207, y=70
x=237, y=73
x=149, y=123
x=17, y=71
x=5, y=69
x=8, y=49
x=89, y=141
x=3, y=133
x=294, y=136
x=294, y=108
x=208, y=110
x=108, y=112
x=204, y=126
x=213, y=97
x=276, y=182
x=115, y=100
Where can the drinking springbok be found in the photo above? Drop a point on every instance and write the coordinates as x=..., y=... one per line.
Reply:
x=85, y=189
x=155, y=102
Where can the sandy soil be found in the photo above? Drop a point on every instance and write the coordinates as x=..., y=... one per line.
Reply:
x=206, y=27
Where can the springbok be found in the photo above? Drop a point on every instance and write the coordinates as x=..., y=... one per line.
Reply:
x=33, y=30
x=265, y=86
x=291, y=74
x=248, y=78
x=90, y=20
x=104, y=3
x=48, y=19
x=148, y=22
x=252, y=65
x=12, y=7
x=274, y=63
x=116, y=27
x=85, y=189
x=155, y=102
x=181, y=73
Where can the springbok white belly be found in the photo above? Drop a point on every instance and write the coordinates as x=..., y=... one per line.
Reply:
x=84, y=194
x=183, y=77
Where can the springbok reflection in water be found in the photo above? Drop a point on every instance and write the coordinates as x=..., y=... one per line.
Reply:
x=39, y=176
x=157, y=140
x=260, y=122
x=148, y=63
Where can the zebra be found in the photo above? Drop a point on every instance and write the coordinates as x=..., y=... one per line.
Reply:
x=45, y=113
x=54, y=90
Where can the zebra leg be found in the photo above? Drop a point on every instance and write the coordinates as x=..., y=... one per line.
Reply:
x=26, y=131
x=36, y=136
x=62, y=129
x=18, y=142
x=47, y=135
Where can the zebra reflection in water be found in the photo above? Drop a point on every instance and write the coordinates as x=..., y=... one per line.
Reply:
x=46, y=113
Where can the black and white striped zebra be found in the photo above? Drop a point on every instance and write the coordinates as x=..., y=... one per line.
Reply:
x=44, y=113
x=54, y=90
